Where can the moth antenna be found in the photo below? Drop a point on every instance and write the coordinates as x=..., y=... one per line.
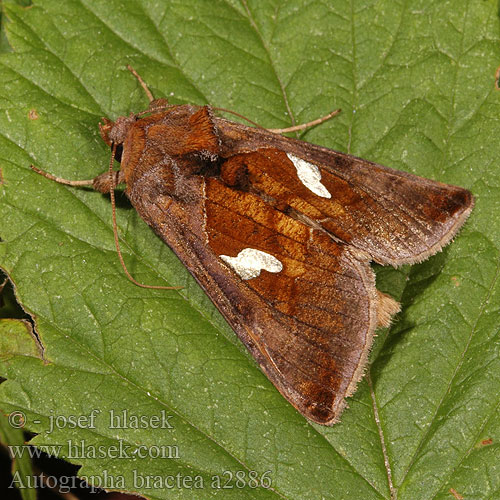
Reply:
x=295, y=128
x=60, y=180
x=160, y=107
x=303, y=126
x=115, y=230
x=224, y=110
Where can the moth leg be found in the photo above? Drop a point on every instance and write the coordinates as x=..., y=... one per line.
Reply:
x=154, y=104
x=60, y=180
x=100, y=183
x=142, y=82
x=303, y=126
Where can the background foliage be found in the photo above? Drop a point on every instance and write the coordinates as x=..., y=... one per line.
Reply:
x=416, y=82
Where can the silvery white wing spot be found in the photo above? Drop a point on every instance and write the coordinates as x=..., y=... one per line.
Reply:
x=249, y=263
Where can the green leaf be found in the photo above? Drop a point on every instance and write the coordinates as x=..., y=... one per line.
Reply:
x=416, y=82
x=15, y=340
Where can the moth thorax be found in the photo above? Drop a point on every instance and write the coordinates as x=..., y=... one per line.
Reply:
x=234, y=173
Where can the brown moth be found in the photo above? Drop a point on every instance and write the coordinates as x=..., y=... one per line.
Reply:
x=280, y=234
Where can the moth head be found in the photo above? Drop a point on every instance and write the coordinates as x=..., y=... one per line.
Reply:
x=116, y=132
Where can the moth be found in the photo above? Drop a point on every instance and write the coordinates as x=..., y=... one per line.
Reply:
x=280, y=234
